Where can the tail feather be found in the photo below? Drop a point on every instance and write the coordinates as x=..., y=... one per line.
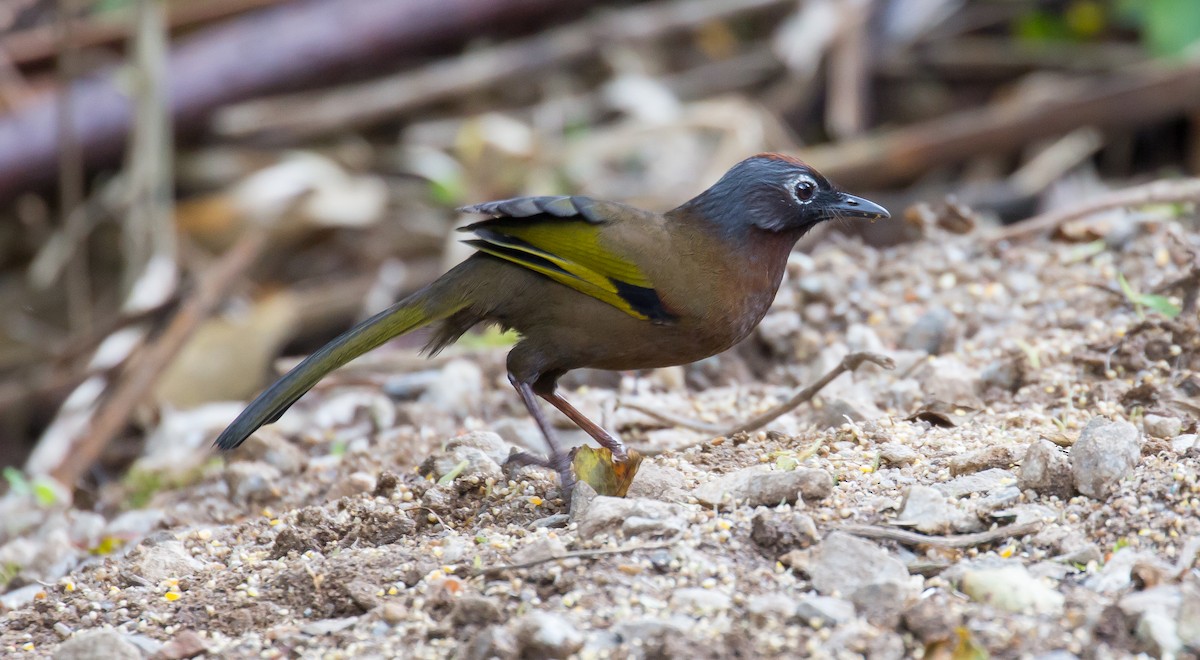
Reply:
x=433, y=303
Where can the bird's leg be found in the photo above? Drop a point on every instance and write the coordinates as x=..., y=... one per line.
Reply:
x=558, y=461
x=593, y=429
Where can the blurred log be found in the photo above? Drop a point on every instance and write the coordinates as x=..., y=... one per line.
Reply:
x=313, y=114
x=1134, y=97
x=278, y=48
x=987, y=58
x=40, y=44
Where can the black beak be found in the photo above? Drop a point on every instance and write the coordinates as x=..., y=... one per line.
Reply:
x=849, y=206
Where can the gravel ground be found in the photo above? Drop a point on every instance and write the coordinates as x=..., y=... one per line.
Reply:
x=1023, y=484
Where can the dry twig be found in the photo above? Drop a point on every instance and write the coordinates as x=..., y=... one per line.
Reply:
x=143, y=372
x=849, y=363
x=577, y=554
x=906, y=537
x=1175, y=191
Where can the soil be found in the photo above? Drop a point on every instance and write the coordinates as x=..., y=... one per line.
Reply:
x=323, y=538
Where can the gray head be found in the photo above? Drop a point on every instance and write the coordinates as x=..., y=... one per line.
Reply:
x=776, y=193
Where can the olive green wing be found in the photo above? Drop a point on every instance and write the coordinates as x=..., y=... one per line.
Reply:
x=563, y=239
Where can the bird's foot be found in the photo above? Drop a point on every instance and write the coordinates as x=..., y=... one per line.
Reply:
x=560, y=463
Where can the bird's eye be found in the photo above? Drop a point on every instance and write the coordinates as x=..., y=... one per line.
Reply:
x=806, y=189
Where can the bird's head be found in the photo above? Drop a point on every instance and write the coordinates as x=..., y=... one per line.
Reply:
x=777, y=193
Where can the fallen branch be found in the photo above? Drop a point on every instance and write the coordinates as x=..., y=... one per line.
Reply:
x=314, y=114
x=577, y=554
x=141, y=375
x=906, y=537
x=1176, y=191
x=40, y=43
x=291, y=44
x=1138, y=95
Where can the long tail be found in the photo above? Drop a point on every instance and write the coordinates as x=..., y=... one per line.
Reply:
x=437, y=301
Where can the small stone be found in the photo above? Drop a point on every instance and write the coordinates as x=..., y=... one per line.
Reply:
x=1013, y=589
x=323, y=627
x=355, y=483
x=1117, y=572
x=165, y=560
x=993, y=456
x=779, y=532
x=272, y=448
x=475, y=611
x=654, y=634
x=492, y=642
x=894, y=453
x=1159, y=426
x=540, y=548
x=760, y=485
x=1006, y=374
x=1189, y=614
x=552, y=521
x=697, y=600
x=393, y=613
x=927, y=510
x=1000, y=498
x=252, y=481
x=1156, y=612
x=546, y=635
x=987, y=481
x=633, y=517
x=933, y=618
x=456, y=388
x=107, y=644
x=947, y=380
x=835, y=412
x=1046, y=470
x=185, y=644
x=468, y=456
x=930, y=332
x=1069, y=545
x=826, y=610
x=764, y=608
x=485, y=441
x=881, y=603
x=658, y=482
x=135, y=524
x=1105, y=452
x=1181, y=444
x=843, y=563
x=582, y=497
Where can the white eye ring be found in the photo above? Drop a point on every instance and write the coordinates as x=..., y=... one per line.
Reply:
x=804, y=189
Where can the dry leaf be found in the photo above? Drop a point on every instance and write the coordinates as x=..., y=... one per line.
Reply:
x=595, y=466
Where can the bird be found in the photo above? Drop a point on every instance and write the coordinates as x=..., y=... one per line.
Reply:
x=588, y=283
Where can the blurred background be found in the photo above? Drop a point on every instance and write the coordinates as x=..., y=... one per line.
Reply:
x=190, y=191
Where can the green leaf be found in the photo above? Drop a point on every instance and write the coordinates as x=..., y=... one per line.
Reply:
x=454, y=472
x=45, y=493
x=786, y=462
x=1155, y=302
x=16, y=480
x=1161, y=304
